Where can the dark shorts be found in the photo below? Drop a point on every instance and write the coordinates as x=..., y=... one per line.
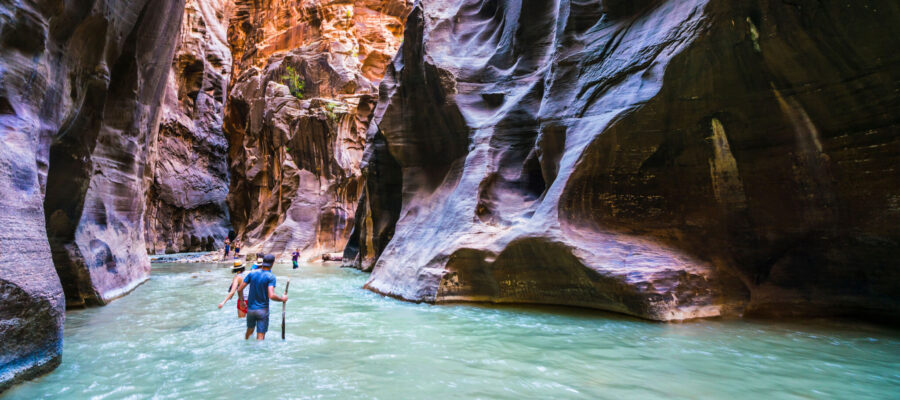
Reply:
x=258, y=319
x=295, y=264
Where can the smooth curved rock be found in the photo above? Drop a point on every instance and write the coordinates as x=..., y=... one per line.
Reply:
x=80, y=87
x=295, y=161
x=186, y=208
x=664, y=159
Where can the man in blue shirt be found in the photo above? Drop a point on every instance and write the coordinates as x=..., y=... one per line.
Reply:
x=262, y=288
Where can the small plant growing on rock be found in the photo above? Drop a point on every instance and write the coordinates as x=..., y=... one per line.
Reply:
x=293, y=82
x=329, y=108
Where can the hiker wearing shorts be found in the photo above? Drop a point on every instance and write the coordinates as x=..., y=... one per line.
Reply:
x=262, y=289
x=238, y=271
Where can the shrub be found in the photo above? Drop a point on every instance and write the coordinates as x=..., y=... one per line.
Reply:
x=329, y=107
x=293, y=82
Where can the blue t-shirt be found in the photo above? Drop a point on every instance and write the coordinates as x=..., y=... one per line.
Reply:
x=259, y=282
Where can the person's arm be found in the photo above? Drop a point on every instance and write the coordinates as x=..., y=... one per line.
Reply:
x=276, y=297
x=234, y=287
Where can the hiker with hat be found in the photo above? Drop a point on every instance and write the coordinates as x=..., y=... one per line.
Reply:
x=257, y=263
x=238, y=271
x=262, y=289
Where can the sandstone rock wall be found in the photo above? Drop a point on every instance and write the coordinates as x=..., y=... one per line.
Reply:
x=80, y=87
x=664, y=159
x=188, y=183
x=295, y=161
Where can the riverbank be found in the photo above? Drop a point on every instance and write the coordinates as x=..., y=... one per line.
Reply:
x=217, y=257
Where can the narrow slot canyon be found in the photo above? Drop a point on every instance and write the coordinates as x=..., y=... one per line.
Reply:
x=485, y=181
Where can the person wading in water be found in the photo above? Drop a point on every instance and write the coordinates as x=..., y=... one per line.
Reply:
x=262, y=288
x=294, y=256
x=258, y=261
x=229, y=242
x=238, y=271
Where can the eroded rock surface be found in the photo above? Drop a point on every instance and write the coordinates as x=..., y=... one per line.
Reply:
x=664, y=159
x=186, y=208
x=80, y=86
x=295, y=160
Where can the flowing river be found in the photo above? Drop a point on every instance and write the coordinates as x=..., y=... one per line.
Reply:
x=168, y=340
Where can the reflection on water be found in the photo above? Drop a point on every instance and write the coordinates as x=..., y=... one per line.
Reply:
x=168, y=340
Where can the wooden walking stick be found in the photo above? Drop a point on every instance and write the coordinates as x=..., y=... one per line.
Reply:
x=283, y=307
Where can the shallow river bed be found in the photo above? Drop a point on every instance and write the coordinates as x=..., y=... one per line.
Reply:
x=168, y=340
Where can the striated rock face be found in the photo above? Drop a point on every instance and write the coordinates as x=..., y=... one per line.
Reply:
x=664, y=159
x=80, y=86
x=295, y=158
x=186, y=208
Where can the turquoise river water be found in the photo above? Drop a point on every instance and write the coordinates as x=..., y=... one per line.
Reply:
x=167, y=340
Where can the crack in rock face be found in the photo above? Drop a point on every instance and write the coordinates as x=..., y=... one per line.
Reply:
x=664, y=159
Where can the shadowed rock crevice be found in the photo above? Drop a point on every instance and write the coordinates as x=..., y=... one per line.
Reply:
x=379, y=204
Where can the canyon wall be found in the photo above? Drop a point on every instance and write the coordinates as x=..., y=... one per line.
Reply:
x=188, y=181
x=663, y=159
x=295, y=152
x=80, y=87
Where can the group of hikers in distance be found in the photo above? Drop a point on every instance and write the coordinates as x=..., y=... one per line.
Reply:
x=254, y=289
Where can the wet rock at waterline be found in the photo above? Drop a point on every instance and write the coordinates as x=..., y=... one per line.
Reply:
x=295, y=152
x=186, y=208
x=666, y=159
x=80, y=86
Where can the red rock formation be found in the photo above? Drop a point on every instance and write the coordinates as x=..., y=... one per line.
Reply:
x=664, y=159
x=186, y=208
x=80, y=87
x=295, y=161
